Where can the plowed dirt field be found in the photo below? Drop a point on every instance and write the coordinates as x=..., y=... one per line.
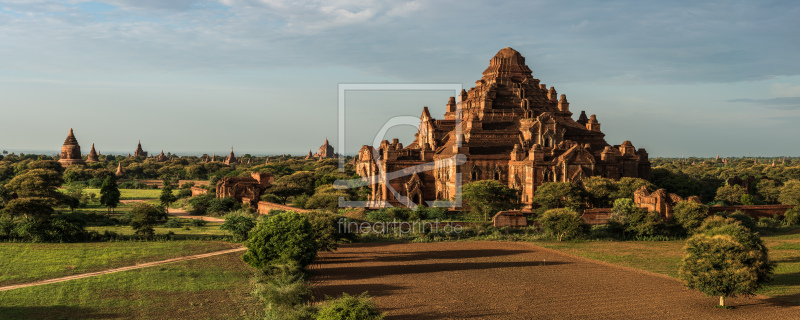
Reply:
x=508, y=280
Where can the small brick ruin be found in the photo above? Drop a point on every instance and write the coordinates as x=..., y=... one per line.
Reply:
x=511, y=218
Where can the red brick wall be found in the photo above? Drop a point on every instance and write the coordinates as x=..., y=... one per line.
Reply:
x=754, y=211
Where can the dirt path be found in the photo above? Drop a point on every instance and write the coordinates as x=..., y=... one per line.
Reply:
x=180, y=213
x=507, y=280
x=137, y=266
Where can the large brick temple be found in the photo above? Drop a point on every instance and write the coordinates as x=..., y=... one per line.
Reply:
x=513, y=129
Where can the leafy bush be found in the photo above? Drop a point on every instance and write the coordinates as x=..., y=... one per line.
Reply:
x=379, y=216
x=767, y=223
x=239, y=225
x=268, y=197
x=325, y=230
x=715, y=221
x=282, y=289
x=792, y=216
x=745, y=219
x=144, y=217
x=643, y=224
x=298, y=201
x=350, y=307
x=173, y=223
x=221, y=206
x=135, y=184
x=689, y=215
x=485, y=198
x=68, y=227
x=552, y=195
x=280, y=238
x=563, y=223
x=432, y=213
x=725, y=261
x=199, y=204
x=631, y=221
x=184, y=193
x=197, y=222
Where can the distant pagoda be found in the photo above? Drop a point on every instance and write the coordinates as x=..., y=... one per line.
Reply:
x=71, y=151
x=92, y=157
x=139, y=152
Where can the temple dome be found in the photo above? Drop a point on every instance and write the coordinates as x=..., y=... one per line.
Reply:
x=507, y=63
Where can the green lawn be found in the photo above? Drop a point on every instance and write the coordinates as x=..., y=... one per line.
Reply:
x=211, y=288
x=211, y=229
x=26, y=262
x=133, y=194
x=664, y=257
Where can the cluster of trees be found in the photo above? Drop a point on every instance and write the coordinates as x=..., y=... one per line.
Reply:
x=706, y=179
x=28, y=202
x=486, y=198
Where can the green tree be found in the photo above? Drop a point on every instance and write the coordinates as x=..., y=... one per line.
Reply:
x=326, y=197
x=563, y=223
x=75, y=196
x=279, y=238
x=37, y=183
x=487, y=197
x=350, y=307
x=109, y=193
x=599, y=190
x=768, y=190
x=726, y=261
x=30, y=208
x=552, y=195
x=144, y=217
x=730, y=194
x=296, y=184
x=790, y=193
x=239, y=225
x=689, y=215
x=626, y=186
x=166, y=198
x=283, y=290
x=792, y=216
x=325, y=230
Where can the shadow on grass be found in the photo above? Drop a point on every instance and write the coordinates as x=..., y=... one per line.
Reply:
x=54, y=312
x=786, y=280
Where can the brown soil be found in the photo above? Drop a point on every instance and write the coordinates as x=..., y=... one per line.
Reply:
x=506, y=280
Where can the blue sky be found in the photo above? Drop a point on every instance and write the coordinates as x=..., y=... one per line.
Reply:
x=674, y=77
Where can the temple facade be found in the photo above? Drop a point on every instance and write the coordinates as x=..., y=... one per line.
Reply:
x=325, y=151
x=512, y=129
x=139, y=152
x=71, y=151
x=231, y=159
x=247, y=190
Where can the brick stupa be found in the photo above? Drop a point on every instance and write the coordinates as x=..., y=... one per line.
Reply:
x=71, y=151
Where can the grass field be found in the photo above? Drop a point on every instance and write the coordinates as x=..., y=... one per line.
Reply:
x=211, y=229
x=26, y=262
x=664, y=257
x=133, y=194
x=210, y=288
